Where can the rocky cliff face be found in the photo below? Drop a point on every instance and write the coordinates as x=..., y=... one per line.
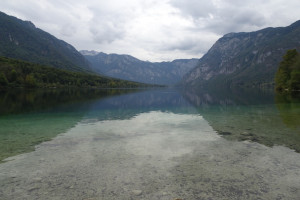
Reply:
x=129, y=68
x=245, y=58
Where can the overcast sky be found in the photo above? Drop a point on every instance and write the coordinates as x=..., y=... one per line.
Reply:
x=154, y=30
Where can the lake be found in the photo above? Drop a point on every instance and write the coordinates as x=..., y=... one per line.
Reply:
x=149, y=144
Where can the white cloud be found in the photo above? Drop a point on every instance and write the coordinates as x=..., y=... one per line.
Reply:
x=195, y=8
x=152, y=30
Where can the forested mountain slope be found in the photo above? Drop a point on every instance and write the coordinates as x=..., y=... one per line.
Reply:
x=22, y=40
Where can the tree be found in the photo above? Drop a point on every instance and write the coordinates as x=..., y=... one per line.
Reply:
x=30, y=81
x=13, y=75
x=3, y=80
x=294, y=83
x=288, y=74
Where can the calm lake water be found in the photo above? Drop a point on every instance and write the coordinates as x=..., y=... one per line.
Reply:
x=149, y=144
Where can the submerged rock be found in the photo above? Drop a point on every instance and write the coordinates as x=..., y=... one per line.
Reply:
x=224, y=133
x=137, y=192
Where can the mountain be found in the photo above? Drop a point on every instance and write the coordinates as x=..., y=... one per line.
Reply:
x=130, y=68
x=245, y=59
x=22, y=40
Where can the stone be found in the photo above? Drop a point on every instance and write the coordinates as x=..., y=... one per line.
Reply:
x=137, y=192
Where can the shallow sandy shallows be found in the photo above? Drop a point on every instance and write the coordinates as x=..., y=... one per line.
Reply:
x=154, y=155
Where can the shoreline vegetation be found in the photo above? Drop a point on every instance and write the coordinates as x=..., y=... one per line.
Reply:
x=21, y=74
x=287, y=77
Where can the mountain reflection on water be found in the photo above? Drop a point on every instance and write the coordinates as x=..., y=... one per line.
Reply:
x=234, y=114
x=29, y=117
x=252, y=115
x=148, y=144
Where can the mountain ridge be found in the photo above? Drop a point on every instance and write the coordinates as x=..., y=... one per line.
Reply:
x=130, y=68
x=245, y=58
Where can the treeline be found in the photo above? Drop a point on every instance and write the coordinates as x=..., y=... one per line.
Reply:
x=287, y=77
x=17, y=73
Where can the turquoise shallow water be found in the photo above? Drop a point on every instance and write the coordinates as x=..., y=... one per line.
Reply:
x=154, y=144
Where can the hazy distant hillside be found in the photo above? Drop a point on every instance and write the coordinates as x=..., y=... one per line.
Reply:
x=245, y=58
x=22, y=40
x=130, y=68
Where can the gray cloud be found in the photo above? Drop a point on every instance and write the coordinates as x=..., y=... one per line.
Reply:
x=238, y=21
x=68, y=30
x=106, y=32
x=108, y=23
x=195, y=8
x=221, y=17
x=188, y=45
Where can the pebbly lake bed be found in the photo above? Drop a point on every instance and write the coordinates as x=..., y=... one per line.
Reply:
x=149, y=144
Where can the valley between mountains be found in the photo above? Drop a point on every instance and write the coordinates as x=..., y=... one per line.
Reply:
x=247, y=59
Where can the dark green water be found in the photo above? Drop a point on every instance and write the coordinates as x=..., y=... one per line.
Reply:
x=149, y=144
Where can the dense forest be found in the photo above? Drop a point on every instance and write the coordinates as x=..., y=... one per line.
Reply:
x=287, y=77
x=17, y=73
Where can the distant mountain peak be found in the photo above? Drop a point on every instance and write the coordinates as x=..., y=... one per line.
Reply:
x=130, y=68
